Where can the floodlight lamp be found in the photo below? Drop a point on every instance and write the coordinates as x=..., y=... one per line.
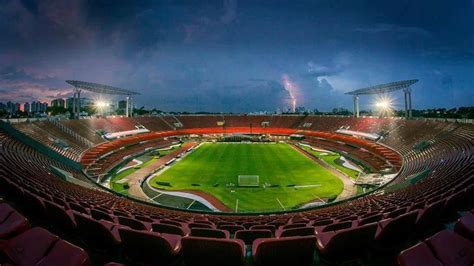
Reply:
x=384, y=104
x=101, y=104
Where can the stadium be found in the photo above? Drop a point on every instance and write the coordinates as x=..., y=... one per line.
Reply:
x=209, y=176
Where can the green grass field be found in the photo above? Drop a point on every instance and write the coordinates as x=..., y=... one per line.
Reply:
x=295, y=178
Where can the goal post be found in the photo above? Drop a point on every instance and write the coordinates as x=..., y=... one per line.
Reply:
x=248, y=180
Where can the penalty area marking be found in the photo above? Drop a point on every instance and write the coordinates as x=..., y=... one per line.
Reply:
x=318, y=185
x=283, y=207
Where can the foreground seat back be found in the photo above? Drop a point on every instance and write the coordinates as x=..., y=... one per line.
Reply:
x=59, y=216
x=451, y=248
x=211, y=251
x=14, y=224
x=148, y=247
x=30, y=247
x=419, y=254
x=346, y=243
x=298, y=250
x=393, y=231
x=64, y=253
x=95, y=233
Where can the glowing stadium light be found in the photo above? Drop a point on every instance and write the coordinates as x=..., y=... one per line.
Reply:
x=384, y=104
x=101, y=104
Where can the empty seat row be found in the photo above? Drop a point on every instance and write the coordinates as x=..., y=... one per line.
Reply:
x=444, y=248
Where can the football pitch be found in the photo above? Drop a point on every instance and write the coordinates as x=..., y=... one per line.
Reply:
x=286, y=178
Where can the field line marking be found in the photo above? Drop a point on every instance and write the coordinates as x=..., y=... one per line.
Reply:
x=236, y=205
x=190, y=205
x=156, y=196
x=319, y=198
x=283, y=207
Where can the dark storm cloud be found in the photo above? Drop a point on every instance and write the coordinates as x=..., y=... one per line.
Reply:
x=231, y=55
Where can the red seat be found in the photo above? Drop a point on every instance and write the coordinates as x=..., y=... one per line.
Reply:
x=248, y=236
x=64, y=253
x=212, y=251
x=98, y=234
x=429, y=217
x=392, y=231
x=232, y=228
x=322, y=222
x=297, y=250
x=5, y=211
x=39, y=247
x=169, y=229
x=370, y=219
x=465, y=226
x=299, y=231
x=11, y=222
x=264, y=227
x=29, y=247
x=334, y=227
x=34, y=204
x=59, y=216
x=132, y=223
x=200, y=225
x=206, y=232
x=419, y=254
x=452, y=249
x=100, y=215
x=149, y=247
x=78, y=208
x=345, y=243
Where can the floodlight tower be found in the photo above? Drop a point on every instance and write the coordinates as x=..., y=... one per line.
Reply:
x=76, y=103
x=98, y=88
x=356, y=105
x=129, y=107
x=407, y=92
x=383, y=89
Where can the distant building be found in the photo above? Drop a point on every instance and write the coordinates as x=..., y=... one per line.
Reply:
x=34, y=107
x=9, y=106
x=85, y=102
x=27, y=107
x=58, y=103
x=38, y=107
x=12, y=108
x=69, y=103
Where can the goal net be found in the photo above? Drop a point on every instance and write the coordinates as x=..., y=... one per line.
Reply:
x=248, y=180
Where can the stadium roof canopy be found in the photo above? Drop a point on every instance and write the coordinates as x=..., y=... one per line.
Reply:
x=99, y=88
x=384, y=88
